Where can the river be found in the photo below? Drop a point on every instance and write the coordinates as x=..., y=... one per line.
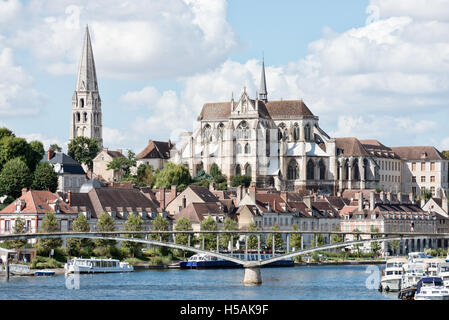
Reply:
x=320, y=282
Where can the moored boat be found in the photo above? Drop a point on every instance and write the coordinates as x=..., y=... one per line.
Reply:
x=431, y=288
x=94, y=265
x=443, y=273
x=392, y=275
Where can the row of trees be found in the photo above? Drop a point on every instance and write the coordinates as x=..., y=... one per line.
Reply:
x=21, y=166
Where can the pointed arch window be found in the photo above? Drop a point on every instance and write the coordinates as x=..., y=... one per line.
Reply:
x=238, y=170
x=85, y=117
x=307, y=132
x=355, y=169
x=207, y=133
x=78, y=117
x=248, y=170
x=366, y=168
x=243, y=131
x=82, y=103
x=322, y=170
x=292, y=170
x=296, y=133
x=310, y=170
x=238, y=148
x=247, y=148
x=267, y=143
x=220, y=130
x=282, y=131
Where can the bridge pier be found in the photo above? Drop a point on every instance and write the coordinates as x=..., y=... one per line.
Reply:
x=252, y=276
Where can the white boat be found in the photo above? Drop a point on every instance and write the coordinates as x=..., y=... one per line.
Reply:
x=94, y=265
x=392, y=275
x=443, y=273
x=431, y=288
x=432, y=266
x=412, y=273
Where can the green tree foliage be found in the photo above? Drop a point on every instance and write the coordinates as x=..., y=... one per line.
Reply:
x=184, y=224
x=173, y=174
x=215, y=170
x=210, y=240
x=277, y=238
x=395, y=246
x=55, y=148
x=134, y=223
x=295, y=239
x=77, y=245
x=225, y=239
x=145, y=176
x=356, y=237
x=445, y=152
x=35, y=154
x=14, y=176
x=105, y=223
x=45, y=178
x=220, y=180
x=336, y=238
x=84, y=150
x=426, y=194
x=19, y=227
x=5, y=132
x=252, y=239
x=161, y=224
x=49, y=224
x=241, y=180
x=319, y=240
x=123, y=165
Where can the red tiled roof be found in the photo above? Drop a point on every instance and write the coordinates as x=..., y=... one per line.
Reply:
x=38, y=201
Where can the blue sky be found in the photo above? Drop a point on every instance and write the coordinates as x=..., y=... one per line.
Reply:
x=371, y=69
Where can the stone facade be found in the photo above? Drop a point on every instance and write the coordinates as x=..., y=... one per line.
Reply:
x=86, y=117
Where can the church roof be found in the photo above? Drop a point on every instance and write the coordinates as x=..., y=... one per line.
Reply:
x=282, y=109
x=351, y=147
x=68, y=164
x=87, y=76
x=377, y=149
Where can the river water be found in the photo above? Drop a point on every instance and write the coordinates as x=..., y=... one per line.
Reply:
x=352, y=282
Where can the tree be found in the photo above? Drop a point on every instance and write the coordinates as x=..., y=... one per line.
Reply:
x=229, y=225
x=19, y=227
x=173, y=174
x=241, y=180
x=214, y=170
x=375, y=246
x=445, y=153
x=252, y=239
x=210, y=240
x=184, y=224
x=134, y=223
x=36, y=153
x=5, y=132
x=356, y=237
x=105, y=223
x=49, y=224
x=55, y=147
x=319, y=240
x=295, y=239
x=395, y=246
x=45, y=178
x=336, y=238
x=76, y=245
x=123, y=165
x=84, y=150
x=426, y=194
x=277, y=238
x=14, y=176
x=160, y=224
x=12, y=147
x=145, y=176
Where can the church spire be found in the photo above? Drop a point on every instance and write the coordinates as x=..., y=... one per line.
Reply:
x=263, y=95
x=87, y=76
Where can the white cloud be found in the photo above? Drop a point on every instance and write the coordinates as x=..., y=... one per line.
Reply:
x=113, y=138
x=148, y=39
x=44, y=139
x=417, y=9
x=17, y=95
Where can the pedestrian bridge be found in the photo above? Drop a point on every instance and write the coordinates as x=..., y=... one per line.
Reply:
x=252, y=268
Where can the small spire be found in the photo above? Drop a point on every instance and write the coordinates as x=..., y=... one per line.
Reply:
x=263, y=95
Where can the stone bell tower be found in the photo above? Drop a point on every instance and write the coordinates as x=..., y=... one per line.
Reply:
x=86, y=118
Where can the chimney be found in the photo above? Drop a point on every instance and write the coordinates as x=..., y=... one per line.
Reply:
x=360, y=201
x=162, y=198
x=423, y=202
x=211, y=186
x=382, y=196
x=252, y=192
x=389, y=196
x=444, y=204
x=184, y=202
x=400, y=197
x=371, y=201
x=50, y=154
x=69, y=198
x=105, y=149
x=274, y=205
x=239, y=194
x=411, y=197
x=120, y=150
x=24, y=191
x=173, y=192
x=307, y=201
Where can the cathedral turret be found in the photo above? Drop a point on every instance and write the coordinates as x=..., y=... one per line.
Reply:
x=263, y=95
x=86, y=102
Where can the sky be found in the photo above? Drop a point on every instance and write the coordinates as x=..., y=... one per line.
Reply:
x=373, y=69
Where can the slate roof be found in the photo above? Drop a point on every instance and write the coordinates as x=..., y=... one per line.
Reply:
x=377, y=149
x=156, y=149
x=204, y=194
x=419, y=153
x=68, y=164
